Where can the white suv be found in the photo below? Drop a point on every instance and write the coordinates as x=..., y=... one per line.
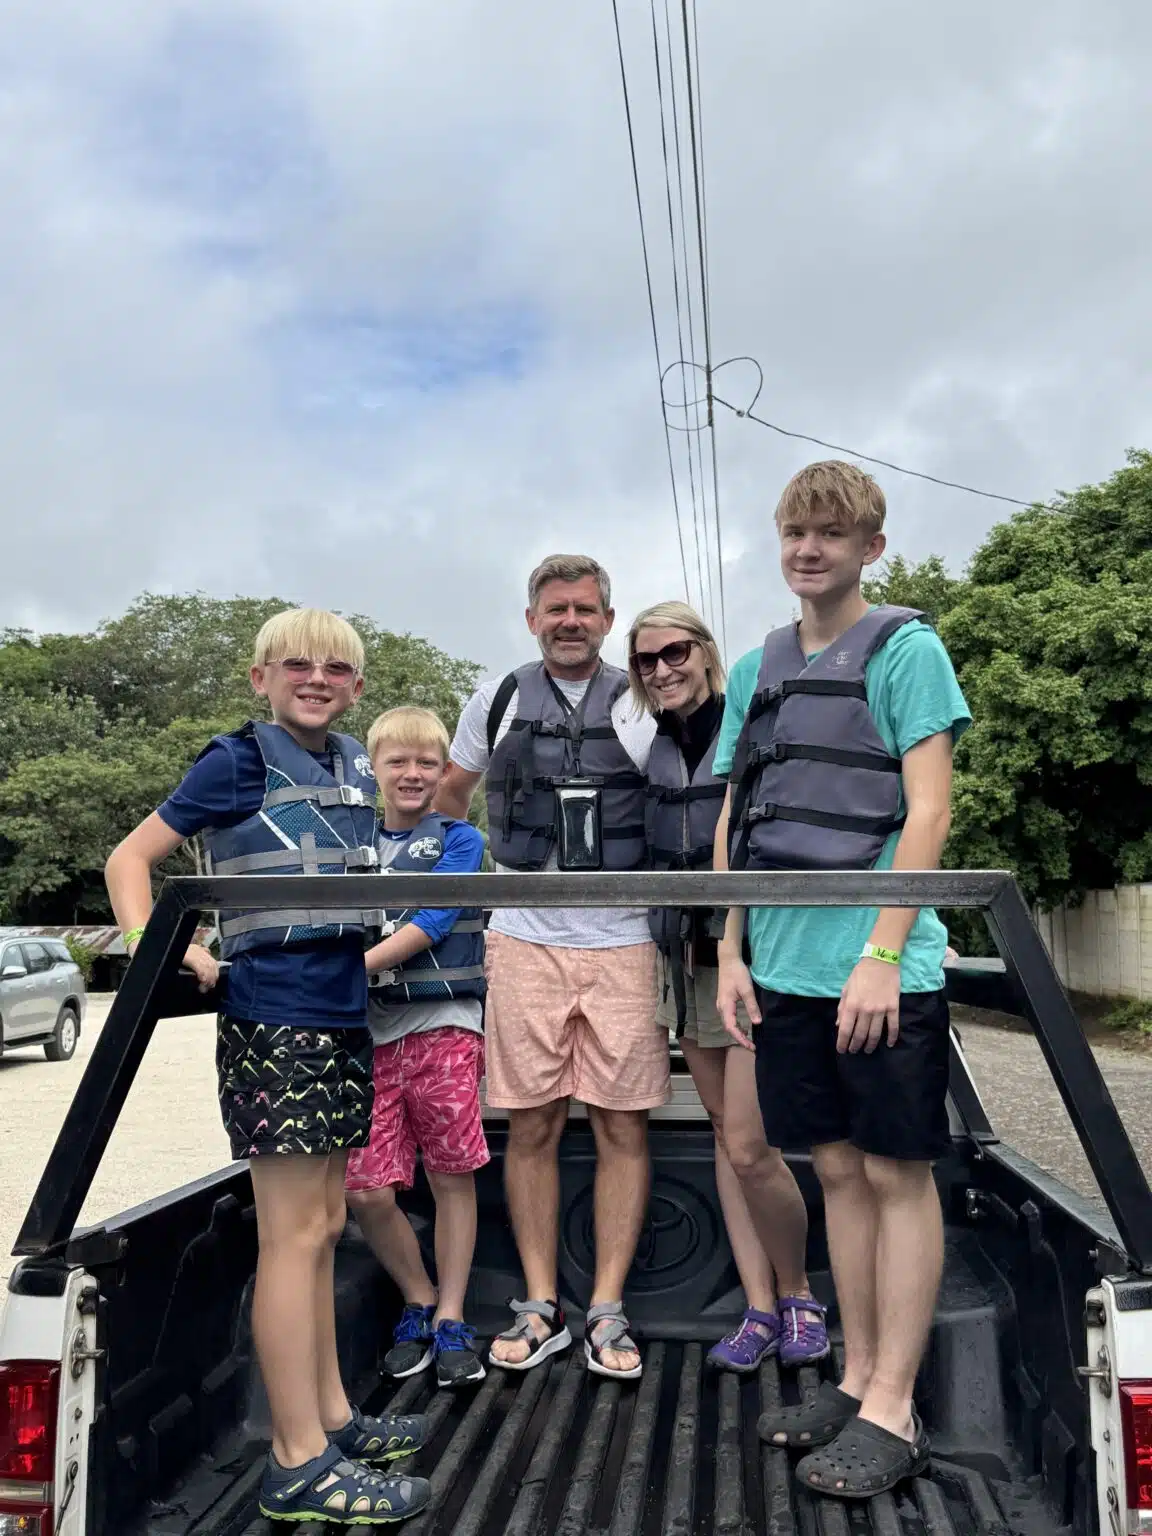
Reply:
x=42, y=995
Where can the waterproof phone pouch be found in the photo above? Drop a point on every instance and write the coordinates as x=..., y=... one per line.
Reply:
x=579, y=841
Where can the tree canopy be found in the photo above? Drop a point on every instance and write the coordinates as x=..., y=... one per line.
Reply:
x=97, y=729
x=1050, y=631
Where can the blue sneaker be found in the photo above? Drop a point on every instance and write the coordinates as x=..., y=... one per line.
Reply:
x=329, y=1487
x=382, y=1439
x=457, y=1363
x=412, y=1351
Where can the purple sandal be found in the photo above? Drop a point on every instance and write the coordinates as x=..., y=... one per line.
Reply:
x=745, y=1347
x=803, y=1337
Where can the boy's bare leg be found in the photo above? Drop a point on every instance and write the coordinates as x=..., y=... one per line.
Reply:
x=768, y=1189
x=909, y=1258
x=455, y=1238
x=708, y=1066
x=395, y=1244
x=620, y=1196
x=532, y=1185
x=852, y=1218
x=293, y=1225
x=335, y=1409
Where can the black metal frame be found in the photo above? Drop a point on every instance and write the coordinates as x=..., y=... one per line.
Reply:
x=117, y=1054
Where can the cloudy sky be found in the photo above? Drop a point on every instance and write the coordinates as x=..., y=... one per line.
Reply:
x=344, y=302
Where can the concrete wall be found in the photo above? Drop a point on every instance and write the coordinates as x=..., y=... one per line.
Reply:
x=1103, y=947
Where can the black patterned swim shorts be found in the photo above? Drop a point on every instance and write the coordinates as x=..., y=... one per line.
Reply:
x=292, y=1088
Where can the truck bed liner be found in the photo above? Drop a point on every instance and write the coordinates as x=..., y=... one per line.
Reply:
x=558, y=1451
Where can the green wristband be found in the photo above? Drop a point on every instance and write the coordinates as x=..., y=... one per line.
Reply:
x=875, y=952
x=132, y=935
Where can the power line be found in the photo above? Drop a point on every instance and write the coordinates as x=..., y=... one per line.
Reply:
x=648, y=284
x=706, y=291
x=699, y=514
x=954, y=485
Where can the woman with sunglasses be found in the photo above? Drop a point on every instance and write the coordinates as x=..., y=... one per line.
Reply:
x=676, y=674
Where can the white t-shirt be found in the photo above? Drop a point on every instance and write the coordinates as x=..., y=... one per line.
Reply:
x=564, y=927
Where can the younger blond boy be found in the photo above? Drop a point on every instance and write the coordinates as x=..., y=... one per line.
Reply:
x=426, y=1014
x=294, y=1055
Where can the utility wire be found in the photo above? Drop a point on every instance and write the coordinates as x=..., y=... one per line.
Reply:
x=954, y=485
x=697, y=125
x=699, y=514
x=648, y=284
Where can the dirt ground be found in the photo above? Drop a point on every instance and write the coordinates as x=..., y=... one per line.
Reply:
x=170, y=1130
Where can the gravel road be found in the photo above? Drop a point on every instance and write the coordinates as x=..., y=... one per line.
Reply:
x=170, y=1130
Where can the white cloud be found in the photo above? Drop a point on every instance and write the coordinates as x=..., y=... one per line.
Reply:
x=345, y=302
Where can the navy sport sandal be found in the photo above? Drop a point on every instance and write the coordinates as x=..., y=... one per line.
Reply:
x=330, y=1487
x=382, y=1439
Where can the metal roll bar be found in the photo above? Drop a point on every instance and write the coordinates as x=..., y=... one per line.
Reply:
x=118, y=1052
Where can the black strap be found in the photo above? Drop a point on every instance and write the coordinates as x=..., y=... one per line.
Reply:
x=675, y=858
x=874, y=826
x=827, y=687
x=778, y=751
x=500, y=701
x=621, y=834
x=666, y=795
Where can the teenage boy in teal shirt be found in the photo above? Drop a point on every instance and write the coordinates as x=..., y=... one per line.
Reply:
x=851, y=1023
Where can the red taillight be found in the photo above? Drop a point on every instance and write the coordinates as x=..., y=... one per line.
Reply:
x=29, y=1390
x=1136, y=1418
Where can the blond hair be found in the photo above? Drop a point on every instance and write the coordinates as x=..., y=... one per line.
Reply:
x=674, y=615
x=843, y=489
x=311, y=633
x=569, y=568
x=408, y=726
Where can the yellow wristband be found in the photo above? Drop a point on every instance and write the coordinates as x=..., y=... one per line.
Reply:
x=875, y=952
x=132, y=935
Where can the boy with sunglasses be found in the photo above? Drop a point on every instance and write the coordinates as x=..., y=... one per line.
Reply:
x=294, y=1054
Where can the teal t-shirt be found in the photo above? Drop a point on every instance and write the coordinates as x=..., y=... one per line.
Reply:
x=811, y=951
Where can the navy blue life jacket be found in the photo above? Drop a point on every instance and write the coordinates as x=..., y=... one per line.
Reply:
x=311, y=822
x=455, y=966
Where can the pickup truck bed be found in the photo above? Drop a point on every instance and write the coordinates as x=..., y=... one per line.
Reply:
x=1036, y=1387
x=559, y=1450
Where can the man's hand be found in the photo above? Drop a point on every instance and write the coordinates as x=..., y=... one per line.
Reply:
x=870, y=1000
x=736, y=986
x=203, y=964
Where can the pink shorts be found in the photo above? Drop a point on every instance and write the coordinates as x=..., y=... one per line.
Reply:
x=573, y=1023
x=427, y=1099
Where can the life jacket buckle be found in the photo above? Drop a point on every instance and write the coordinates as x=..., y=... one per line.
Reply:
x=548, y=728
x=350, y=795
x=763, y=812
x=362, y=858
x=383, y=979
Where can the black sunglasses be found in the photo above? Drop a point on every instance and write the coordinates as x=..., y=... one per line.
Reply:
x=674, y=654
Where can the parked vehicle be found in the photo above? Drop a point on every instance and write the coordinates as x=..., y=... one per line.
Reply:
x=130, y=1404
x=42, y=996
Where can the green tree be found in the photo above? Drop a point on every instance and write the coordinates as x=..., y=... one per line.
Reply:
x=1050, y=631
x=96, y=730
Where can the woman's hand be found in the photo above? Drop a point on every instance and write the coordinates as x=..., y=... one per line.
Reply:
x=736, y=986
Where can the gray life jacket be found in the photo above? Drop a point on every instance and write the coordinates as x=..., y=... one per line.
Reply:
x=815, y=787
x=547, y=743
x=312, y=822
x=680, y=823
x=455, y=966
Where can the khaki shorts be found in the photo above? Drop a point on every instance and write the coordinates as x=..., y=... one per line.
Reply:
x=573, y=1023
x=704, y=1027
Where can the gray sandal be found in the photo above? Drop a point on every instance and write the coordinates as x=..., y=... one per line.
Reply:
x=613, y=1336
x=539, y=1350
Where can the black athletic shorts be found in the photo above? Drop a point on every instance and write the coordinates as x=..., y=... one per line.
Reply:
x=891, y=1101
x=293, y=1088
